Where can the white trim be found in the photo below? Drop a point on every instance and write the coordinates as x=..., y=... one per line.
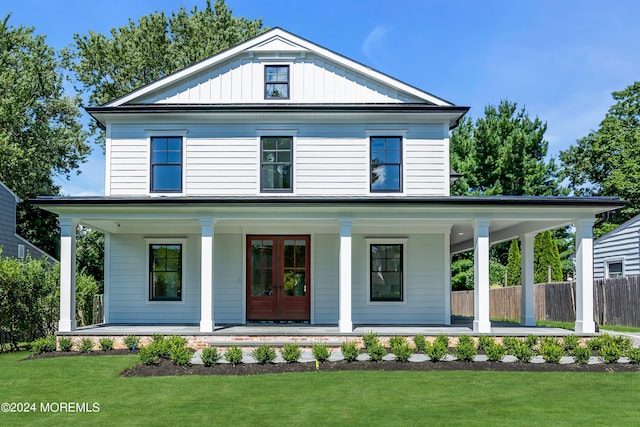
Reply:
x=387, y=241
x=447, y=276
x=108, y=163
x=168, y=241
x=403, y=155
x=107, y=275
x=345, y=275
x=447, y=161
x=151, y=133
x=614, y=260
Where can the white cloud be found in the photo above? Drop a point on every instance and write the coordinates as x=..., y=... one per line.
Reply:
x=373, y=41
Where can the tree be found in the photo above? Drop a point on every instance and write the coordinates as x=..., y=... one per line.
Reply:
x=605, y=162
x=503, y=153
x=545, y=255
x=513, y=264
x=90, y=254
x=40, y=130
x=155, y=46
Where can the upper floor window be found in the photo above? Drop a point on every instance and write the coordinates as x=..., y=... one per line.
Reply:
x=276, y=165
x=166, y=164
x=276, y=82
x=386, y=164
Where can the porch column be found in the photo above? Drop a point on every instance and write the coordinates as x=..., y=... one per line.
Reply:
x=527, y=298
x=584, y=276
x=481, y=322
x=206, y=275
x=344, y=322
x=67, y=274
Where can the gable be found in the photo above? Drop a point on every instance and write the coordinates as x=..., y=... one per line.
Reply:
x=316, y=75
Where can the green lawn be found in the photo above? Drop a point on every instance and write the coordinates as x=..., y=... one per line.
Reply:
x=315, y=398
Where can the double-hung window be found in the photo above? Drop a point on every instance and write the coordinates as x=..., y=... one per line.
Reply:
x=385, y=275
x=165, y=272
x=166, y=164
x=614, y=269
x=276, y=82
x=386, y=163
x=276, y=167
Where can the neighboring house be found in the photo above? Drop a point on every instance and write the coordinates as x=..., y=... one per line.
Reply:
x=617, y=253
x=13, y=245
x=279, y=181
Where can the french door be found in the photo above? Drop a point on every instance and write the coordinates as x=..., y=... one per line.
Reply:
x=278, y=278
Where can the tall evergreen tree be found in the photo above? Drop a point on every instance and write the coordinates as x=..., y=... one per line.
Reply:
x=513, y=264
x=546, y=255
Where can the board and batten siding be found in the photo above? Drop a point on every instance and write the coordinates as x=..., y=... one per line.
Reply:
x=621, y=244
x=312, y=80
x=328, y=159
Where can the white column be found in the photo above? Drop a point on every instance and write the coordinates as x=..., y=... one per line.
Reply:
x=344, y=323
x=584, y=277
x=67, y=274
x=206, y=275
x=481, y=322
x=527, y=299
x=447, y=277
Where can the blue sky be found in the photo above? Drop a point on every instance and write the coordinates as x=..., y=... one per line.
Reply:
x=561, y=59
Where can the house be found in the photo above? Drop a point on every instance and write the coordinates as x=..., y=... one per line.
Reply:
x=617, y=253
x=279, y=181
x=11, y=243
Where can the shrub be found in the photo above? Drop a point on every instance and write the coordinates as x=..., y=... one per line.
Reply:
x=485, y=342
x=180, y=356
x=86, y=345
x=400, y=348
x=510, y=344
x=321, y=352
x=175, y=341
x=420, y=342
x=148, y=356
x=350, y=351
x=437, y=350
x=551, y=351
x=264, y=354
x=234, y=355
x=377, y=352
x=624, y=343
x=531, y=341
x=159, y=346
x=291, y=352
x=106, y=344
x=443, y=340
x=370, y=340
x=132, y=342
x=65, y=344
x=549, y=341
x=496, y=352
x=210, y=356
x=581, y=355
x=610, y=352
x=466, y=349
x=523, y=352
x=44, y=345
x=570, y=342
x=634, y=355
x=595, y=343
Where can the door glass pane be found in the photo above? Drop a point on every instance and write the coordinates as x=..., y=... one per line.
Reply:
x=288, y=283
x=301, y=260
x=289, y=254
x=262, y=283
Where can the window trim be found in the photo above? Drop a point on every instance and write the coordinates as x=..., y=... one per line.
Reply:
x=148, y=284
x=399, y=135
x=287, y=82
x=151, y=134
x=608, y=262
x=261, y=139
x=404, y=292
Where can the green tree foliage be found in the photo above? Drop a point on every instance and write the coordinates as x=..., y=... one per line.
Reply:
x=503, y=153
x=40, y=130
x=545, y=254
x=90, y=254
x=513, y=264
x=605, y=162
x=462, y=272
x=131, y=56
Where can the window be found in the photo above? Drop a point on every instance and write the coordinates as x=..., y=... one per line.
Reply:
x=614, y=270
x=166, y=164
x=165, y=272
x=386, y=164
x=276, y=163
x=386, y=272
x=276, y=82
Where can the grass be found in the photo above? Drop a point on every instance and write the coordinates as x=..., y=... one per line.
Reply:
x=619, y=328
x=315, y=398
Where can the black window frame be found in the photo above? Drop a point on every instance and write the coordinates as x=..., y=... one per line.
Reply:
x=399, y=163
x=152, y=270
x=618, y=274
x=372, y=297
x=277, y=82
x=276, y=163
x=153, y=164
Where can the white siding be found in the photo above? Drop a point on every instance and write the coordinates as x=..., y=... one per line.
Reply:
x=228, y=278
x=325, y=292
x=622, y=244
x=312, y=80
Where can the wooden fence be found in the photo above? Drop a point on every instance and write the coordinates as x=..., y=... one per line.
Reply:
x=616, y=302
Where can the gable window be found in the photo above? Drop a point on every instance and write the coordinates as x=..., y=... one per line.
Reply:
x=276, y=82
x=386, y=164
x=614, y=269
x=166, y=164
x=165, y=272
x=385, y=275
x=276, y=165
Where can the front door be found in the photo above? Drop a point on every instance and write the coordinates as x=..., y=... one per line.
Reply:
x=278, y=279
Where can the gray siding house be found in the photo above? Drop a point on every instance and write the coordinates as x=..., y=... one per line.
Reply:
x=13, y=245
x=617, y=253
